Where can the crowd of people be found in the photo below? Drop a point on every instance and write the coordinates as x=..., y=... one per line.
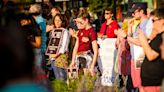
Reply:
x=69, y=40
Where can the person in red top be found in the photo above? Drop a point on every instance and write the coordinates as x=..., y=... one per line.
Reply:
x=109, y=27
x=86, y=41
x=86, y=45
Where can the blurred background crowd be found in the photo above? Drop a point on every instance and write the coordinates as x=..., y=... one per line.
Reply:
x=29, y=29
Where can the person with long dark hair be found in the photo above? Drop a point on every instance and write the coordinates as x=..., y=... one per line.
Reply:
x=60, y=23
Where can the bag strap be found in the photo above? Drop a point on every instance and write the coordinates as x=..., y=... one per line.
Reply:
x=105, y=29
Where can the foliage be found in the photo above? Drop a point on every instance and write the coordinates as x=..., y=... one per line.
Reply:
x=99, y=5
x=59, y=85
x=83, y=84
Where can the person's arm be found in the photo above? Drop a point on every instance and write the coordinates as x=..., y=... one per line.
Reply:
x=37, y=42
x=130, y=24
x=37, y=33
x=115, y=28
x=149, y=52
x=95, y=55
x=73, y=32
x=49, y=28
x=153, y=34
x=42, y=26
x=120, y=34
x=75, y=49
x=135, y=41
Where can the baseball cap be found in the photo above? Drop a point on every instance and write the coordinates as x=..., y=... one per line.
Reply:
x=135, y=6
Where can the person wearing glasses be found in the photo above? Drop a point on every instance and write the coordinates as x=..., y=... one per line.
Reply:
x=152, y=70
x=108, y=28
x=139, y=11
x=82, y=57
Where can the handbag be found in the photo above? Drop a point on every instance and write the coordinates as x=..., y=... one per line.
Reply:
x=61, y=61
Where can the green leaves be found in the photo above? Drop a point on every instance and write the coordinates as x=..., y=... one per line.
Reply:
x=99, y=5
x=83, y=84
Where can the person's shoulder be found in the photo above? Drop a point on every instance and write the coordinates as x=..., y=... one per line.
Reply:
x=160, y=34
x=115, y=22
x=150, y=21
x=65, y=30
x=40, y=19
x=92, y=29
x=104, y=23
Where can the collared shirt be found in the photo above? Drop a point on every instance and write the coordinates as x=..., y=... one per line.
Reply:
x=42, y=24
x=109, y=29
x=145, y=27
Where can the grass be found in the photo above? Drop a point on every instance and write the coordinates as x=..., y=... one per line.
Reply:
x=83, y=84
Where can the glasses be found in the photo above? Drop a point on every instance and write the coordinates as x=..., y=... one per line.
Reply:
x=107, y=13
x=79, y=22
x=156, y=19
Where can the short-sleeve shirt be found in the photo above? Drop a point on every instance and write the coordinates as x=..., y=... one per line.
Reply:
x=42, y=24
x=91, y=34
x=31, y=31
x=152, y=72
x=144, y=26
x=109, y=29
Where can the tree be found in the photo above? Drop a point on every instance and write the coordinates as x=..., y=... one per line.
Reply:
x=99, y=5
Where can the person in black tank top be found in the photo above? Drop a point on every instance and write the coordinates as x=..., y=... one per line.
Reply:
x=152, y=68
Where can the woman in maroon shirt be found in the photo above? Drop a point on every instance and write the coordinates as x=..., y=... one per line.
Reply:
x=86, y=40
x=109, y=26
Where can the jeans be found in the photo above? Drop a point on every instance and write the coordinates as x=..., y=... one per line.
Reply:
x=59, y=73
x=38, y=57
